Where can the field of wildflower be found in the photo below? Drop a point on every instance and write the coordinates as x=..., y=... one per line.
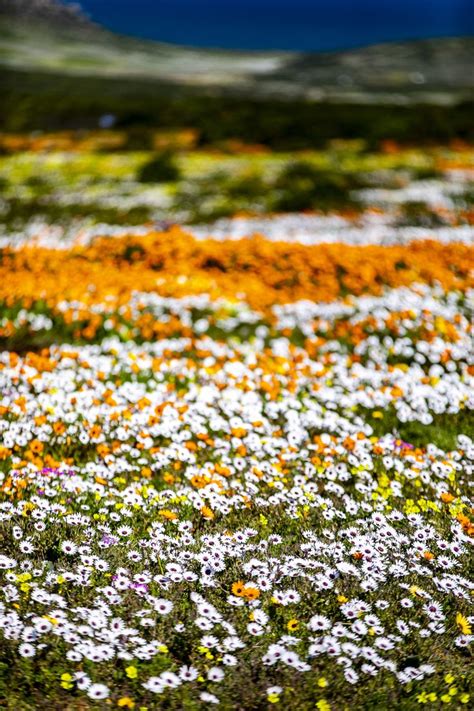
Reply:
x=236, y=426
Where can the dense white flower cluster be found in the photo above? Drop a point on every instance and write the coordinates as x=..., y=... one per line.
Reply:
x=196, y=508
x=370, y=228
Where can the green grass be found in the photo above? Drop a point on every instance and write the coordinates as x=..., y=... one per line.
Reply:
x=442, y=432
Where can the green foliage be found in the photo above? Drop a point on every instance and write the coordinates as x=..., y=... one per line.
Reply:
x=17, y=212
x=48, y=101
x=220, y=194
x=442, y=432
x=417, y=214
x=299, y=185
x=162, y=168
x=303, y=186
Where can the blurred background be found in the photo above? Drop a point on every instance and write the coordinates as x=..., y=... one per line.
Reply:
x=193, y=111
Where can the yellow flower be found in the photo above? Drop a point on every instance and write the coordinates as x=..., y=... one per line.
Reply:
x=424, y=697
x=27, y=507
x=66, y=681
x=126, y=702
x=323, y=705
x=292, y=625
x=273, y=698
x=464, y=698
x=23, y=578
x=131, y=672
x=170, y=515
x=322, y=682
x=463, y=624
x=449, y=678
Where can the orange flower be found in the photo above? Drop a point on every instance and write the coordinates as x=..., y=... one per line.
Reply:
x=59, y=428
x=207, y=512
x=169, y=515
x=95, y=431
x=251, y=593
x=102, y=449
x=4, y=452
x=446, y=498
x=238, y=588
x=36, y=446
x=238, y=432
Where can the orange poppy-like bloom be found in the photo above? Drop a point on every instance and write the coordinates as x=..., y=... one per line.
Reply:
x=238, y=588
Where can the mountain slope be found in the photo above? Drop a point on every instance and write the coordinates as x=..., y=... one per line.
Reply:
x=47, y=36
x=54, y=13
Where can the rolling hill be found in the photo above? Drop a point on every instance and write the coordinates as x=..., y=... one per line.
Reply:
x=48, y=36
